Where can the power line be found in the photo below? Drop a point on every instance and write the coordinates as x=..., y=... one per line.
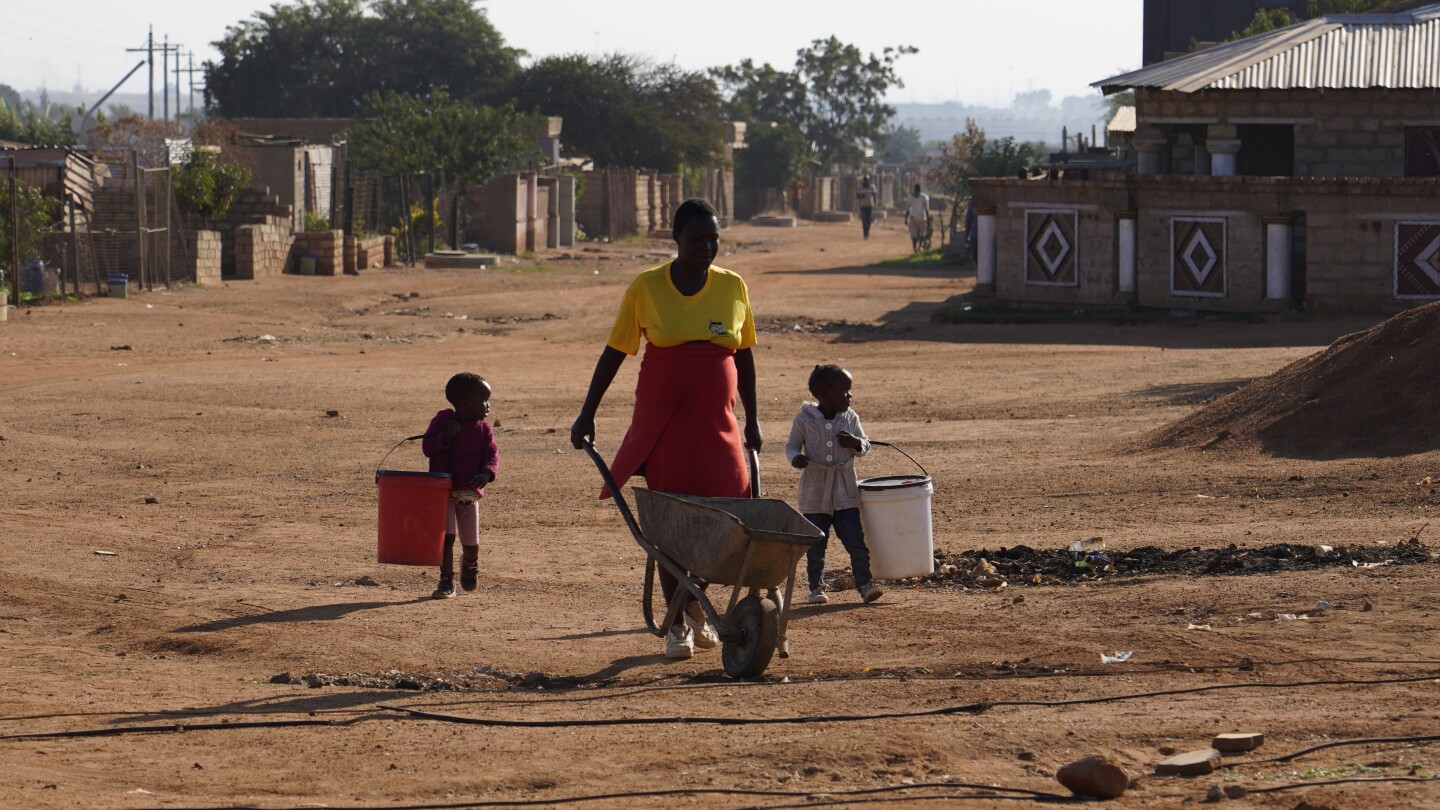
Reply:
x=69, y=22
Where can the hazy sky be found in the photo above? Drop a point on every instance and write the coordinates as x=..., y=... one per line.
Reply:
x=977, y=52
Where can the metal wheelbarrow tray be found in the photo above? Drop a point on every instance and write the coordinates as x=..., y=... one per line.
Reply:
x=746, y=543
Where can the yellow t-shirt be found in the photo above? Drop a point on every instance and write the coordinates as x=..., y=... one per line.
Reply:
x=719, y=313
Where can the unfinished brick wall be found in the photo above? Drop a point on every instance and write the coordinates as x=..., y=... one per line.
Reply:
x=374, y=253
x=255, y=236
x=1338, y=133
x=202, y=257
x=328, y=248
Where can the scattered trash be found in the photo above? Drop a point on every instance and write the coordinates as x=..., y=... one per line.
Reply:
x=367, y=580
x=1358, y=564
x=1324, y=549
x=1427, y=481
x=151, y=499
x=1090, y=546
x=99, y=553
x=1290, y=617
x=1322, y=606
x=121, y=348
x=948, y=569
x=1117, y=658
x=141, y=791
x=331, y=414
x=1198, y=627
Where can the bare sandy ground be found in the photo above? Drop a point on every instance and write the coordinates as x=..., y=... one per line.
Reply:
x=246, y=565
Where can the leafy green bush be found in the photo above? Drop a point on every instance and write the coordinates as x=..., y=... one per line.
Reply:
x=206, y=187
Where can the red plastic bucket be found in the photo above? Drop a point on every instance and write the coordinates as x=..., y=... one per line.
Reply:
x=412, y=516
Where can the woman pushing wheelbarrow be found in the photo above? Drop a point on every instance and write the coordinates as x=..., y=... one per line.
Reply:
x=683, y=438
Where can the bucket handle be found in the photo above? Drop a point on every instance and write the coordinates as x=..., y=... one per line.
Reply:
x=903, y=453
x=381, y=465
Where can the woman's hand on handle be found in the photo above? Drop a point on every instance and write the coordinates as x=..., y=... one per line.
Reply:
x=582, y=431
x=753, y=437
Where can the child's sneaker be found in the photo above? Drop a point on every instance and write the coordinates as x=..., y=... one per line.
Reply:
x=469, y=574
x=702, y=633
x=871, y=592
x=679, y=642
x=817, y=597
x=446, y=588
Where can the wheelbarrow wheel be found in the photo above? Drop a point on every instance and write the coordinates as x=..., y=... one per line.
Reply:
x=756, y=623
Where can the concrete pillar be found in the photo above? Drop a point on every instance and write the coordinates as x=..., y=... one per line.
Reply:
x=1150, y=144
x=1223, y=141
x=1129, y=269
x=1279, y=246
x=532, y=212
x=985, y=244
x=566, y=201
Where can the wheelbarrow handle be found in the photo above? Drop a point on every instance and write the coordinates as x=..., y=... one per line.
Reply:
x=752, y=458
x=614, y=488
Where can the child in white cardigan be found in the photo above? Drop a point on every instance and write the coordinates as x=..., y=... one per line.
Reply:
x=825, y=439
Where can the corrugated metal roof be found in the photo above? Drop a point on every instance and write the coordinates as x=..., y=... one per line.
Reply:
x=1124, y=120
x=1339, y=51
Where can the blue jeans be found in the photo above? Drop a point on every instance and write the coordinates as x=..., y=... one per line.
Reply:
x=851, y=534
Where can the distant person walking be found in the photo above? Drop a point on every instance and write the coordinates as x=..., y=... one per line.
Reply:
x=917, y=216
x=866, y=197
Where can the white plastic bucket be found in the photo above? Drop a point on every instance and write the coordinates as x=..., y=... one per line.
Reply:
x=895, y=511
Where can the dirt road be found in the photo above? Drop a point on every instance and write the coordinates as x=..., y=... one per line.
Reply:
x=213, y=404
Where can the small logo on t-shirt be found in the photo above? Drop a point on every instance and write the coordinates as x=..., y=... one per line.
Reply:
x=717, y=329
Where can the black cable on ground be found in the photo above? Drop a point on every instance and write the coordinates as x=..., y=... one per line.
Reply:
x=116, y=731
x=967, y=708
x=1336, y=744
x=1350, y=781
x=994, y=792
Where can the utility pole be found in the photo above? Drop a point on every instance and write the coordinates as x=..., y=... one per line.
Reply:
x=14, y=235
x=165, y=76
x=149, y=50
x=190, y=71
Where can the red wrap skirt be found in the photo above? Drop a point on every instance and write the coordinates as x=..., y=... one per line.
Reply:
x=683, y=436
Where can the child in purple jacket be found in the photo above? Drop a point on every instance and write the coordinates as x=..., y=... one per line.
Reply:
x=459, y=441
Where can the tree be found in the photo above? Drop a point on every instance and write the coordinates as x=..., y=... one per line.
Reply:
x=323, y=57
x=621, y=110
x=405, y=134
x=206, y=187
x=134, y=133
x=1266, y=20
x=27, y=123
x=773, y=157
x=9, y=96
x=971, y=154
x=899, y=144
x=39, y=215
x=834, y=96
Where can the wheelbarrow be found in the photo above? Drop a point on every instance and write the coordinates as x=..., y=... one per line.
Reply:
x=749, y=544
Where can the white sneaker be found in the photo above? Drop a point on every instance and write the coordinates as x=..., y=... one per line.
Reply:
x=817, y=597
x=702, y=633
x=679, y=643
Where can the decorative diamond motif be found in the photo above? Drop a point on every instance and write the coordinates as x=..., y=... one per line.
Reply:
x=1197, y=260
x=1200, y=270
x=1426, y=261
x=1051, y=258
x=1417, y=260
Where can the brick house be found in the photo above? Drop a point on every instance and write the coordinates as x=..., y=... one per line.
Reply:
x=1297, y=168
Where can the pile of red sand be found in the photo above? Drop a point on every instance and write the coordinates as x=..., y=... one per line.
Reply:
x=1371, y=394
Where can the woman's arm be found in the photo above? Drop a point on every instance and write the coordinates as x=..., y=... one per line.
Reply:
x=605, y=369
x=745, y=372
